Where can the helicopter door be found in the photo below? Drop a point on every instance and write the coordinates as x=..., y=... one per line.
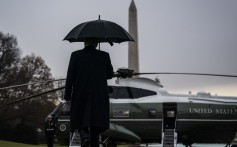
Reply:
x=169, y=115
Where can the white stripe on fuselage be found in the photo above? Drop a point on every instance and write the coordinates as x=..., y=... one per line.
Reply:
x=212, y=120
x=135, y=119
x=177, y=99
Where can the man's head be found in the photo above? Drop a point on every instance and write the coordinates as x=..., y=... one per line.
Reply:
x=91, y=42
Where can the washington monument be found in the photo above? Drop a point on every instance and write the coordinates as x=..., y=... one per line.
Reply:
x=133, y=54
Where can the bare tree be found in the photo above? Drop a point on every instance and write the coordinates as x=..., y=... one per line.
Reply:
x=9, y=58
x=32, y=69
x=17, y=70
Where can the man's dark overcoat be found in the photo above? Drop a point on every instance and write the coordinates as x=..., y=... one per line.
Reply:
x=86, y=88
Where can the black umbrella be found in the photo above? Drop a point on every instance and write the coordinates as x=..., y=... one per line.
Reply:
x=104, y=31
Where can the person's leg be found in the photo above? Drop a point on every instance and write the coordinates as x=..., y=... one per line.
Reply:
x=84, y=134
x=94, y=136
x=50, y=138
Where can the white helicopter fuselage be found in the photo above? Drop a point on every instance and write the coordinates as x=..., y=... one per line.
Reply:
x=144, y=107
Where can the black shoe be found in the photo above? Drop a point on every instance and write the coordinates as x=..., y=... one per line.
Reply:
x=85, y=143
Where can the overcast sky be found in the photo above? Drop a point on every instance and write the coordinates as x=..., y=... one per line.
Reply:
x=174, y=36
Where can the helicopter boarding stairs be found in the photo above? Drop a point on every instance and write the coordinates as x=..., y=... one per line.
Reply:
x=75, y=140
x=169, y=135
x=169, y=138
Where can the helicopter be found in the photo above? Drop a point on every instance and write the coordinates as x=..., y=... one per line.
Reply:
x=143, y=112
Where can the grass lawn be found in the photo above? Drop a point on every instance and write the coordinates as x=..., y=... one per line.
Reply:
x=14, y=144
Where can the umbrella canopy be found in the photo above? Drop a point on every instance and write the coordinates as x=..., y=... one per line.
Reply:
x=104, y=31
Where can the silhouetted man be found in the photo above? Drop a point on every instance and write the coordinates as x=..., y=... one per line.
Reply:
x=86, y=88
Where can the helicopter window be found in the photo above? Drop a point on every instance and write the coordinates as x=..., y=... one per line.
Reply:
x=120, y=113
x=129, y=92
x=170, y=113
x=65, y=109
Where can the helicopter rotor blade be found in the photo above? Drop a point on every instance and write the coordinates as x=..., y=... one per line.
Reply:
x=33, y=83
x=32, y=96
x=199, y=74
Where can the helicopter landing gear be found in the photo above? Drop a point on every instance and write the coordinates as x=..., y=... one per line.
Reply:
x=187, y=144
x=106, y=142
x=110, y=144
x=229, y=145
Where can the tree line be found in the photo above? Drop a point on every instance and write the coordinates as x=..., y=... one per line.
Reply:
x=23, y=121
